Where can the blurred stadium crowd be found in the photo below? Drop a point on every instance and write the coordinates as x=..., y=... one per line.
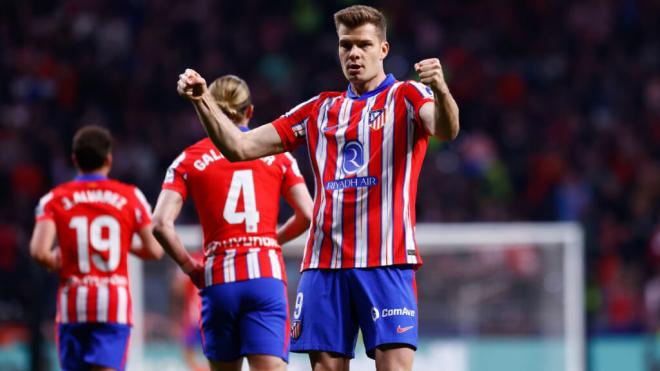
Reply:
x=560, y=112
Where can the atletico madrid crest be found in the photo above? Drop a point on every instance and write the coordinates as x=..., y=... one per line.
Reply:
x=377, y=119
x=296, y=327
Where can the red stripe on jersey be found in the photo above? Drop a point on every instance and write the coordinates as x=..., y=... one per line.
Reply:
x=112, y=303
x=419, y=149
x=71, y=305
x=312, y=146
x=328, y=134
x=265, y=267
x=399, y=166
x=91, y=303
x=375, y=195
x=241, y=267
x=349, y=195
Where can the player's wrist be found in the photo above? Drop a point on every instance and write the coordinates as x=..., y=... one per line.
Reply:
x=188, y=265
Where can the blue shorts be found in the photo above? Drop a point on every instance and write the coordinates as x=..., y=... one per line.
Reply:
x=331, y=305
x=245, y=317
x=81, y=345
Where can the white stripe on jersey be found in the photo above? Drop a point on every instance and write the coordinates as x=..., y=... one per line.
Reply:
x=208, y=271
x=275, y=264
x=321, y=153
x=362, y=195
x=64, y=305
x=252, y=258
x=227, y=265
x=424, y=90
x=294, y=164
x=336, y=228
x=81, y=303
x=294, y=109
x=169, y=176
x=43, y=201
x=122, y=304
x=143, y=200
x=102, y=300
x=407, y=223
x=387, y=177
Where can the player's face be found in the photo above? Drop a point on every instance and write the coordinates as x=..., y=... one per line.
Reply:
x=361, y=53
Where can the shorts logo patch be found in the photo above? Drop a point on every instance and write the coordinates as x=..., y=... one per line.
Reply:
x=401, y=330
x=374, y=313
x=296, y=328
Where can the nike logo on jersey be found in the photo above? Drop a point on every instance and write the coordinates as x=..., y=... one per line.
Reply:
x=401, y=330
x=328, y=128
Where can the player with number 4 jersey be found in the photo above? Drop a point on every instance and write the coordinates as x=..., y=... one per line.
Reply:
x=242, y=279
x=94, y=219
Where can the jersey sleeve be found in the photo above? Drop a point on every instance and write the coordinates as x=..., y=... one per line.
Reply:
x=141, y=208
x=44, y=210
x=292, y=126
x=417, y=94
x=176, y=176
x=292, y=175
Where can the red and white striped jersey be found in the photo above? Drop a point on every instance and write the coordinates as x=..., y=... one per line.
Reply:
x=366, y=153
x=237, y=204
x=95, y=219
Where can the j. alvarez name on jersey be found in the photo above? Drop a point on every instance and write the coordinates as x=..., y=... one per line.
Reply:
x=94, y=196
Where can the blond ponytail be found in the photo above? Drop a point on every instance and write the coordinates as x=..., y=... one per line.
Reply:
x=232, y=95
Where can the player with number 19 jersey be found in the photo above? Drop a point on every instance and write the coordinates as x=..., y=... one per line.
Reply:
x=95, y=218
x=240, y=241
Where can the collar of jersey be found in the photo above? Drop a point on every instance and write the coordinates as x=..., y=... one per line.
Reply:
x=90, y=177
x=243, y=128
x=389, y=80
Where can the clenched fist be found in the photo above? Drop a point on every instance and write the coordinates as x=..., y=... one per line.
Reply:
x=191, y=85
x=430, y=74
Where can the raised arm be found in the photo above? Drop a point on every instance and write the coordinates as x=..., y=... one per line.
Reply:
x=299, y=199
x=167, y=210
x=41, y=246
x=234, y=144
x=441, y=117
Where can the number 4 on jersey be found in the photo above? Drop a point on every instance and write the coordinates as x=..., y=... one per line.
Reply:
x=242, y=182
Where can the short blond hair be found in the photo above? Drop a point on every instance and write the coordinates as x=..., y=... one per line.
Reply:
x=358, y=15
x=232, y=95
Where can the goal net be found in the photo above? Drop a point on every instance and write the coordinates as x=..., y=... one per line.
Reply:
x=496, y=297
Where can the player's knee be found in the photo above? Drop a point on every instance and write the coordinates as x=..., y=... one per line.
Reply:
x=325, y=361
x=226, y=366
x=260, y=362
x=394, y=357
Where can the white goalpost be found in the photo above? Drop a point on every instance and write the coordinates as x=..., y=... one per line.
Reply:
x=557, y=270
